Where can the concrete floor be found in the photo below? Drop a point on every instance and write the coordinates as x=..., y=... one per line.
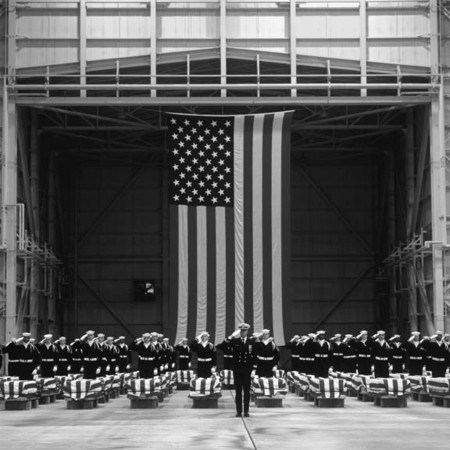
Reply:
x=299, y=425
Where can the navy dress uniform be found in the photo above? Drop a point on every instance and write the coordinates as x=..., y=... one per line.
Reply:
x=438, y=350
x=92, y=353
x=415, y=354
x=123, y=354
x=184, y=354
x=307, y=354
x=206, y=355
x=381, y=355
x=398, y=354
x=363, y=353
x=64, y=357
x=77, y=357
x=267, y=355
x=338, y=351
x=228, y=352
x=111, y=355
x=243, y=365
x=25, y=357
x=350, y=357
x=49, y=356
x=295, y=346
x=322, y=355
x=148, y=355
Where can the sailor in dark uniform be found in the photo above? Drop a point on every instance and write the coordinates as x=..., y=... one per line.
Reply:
x=267, y=355
x=92, y=355
x=438, y=351
x=64, y=357
x=243, y=363
x=363, y=353
x=350, y=358
x=148, y=358
x=206, y=355
x=397, y=355
x=227, y=350
x=184, y=354
x=111, y=356
x=338, y=350
x=415, y=354
x=380, y=355
x=295, y=346
x=49, y=356
x=322, y=355
x=123, y=354
x=24, y=356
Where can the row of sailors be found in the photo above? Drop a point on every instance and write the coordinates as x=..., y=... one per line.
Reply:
x=315, y=355
x=99, y=356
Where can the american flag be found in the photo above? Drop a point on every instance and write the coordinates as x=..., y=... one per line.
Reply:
x=229, y=183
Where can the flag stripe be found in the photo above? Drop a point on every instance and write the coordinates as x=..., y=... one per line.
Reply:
x=221, y=303
x=257, y=219
x=238, y=165
x=267, y=221
x=174, y=309
x=286, y=223
x=230, y=269
x=202, y=268
x=248, y=218
x=192, y=271
x=277, y=219
x=182, y=271
x=211, y=271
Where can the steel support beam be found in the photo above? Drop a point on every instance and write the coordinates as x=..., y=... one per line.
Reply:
x=363, y=43
x=106, y=304
x=83, y=44
x=338, y=302
x=226, y=101
x=153, y=45
x=223, y=46
x=293, y=43
x=9, y=194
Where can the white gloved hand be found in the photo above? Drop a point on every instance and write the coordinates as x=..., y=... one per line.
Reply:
x=155, y=372
x=55, y=368
x=19, y=340
x=213, y=370
x=108, y=368
x=13, y=340
x=189, y=365
x=166, y=367
x=98, y=370
x=236, y=333
x=116, y=369
x=253, y=374
x=82, y=370
x=172, y=366
x=69, y=368
x=34, y=372
x=161, y=368
x=82, y=338
x=128, y=367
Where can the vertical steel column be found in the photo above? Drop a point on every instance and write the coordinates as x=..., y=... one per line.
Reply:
x=223, y=45
x=437, y=169
x=293, y=43
x=34, y=183
x=153, y=46
x=9, y=191
x=51, y=233
x=363, y=43
x=393, y=307
x=83, y=44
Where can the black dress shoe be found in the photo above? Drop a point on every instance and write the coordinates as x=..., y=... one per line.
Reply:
x=246, y=414
x=238, y=414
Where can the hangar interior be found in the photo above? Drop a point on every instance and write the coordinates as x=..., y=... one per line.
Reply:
x=84, y=162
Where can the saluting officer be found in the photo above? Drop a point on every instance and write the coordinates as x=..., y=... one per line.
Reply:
x=64, y=357
x=91, y=354
x=295, y=346
x=363, y=353
x=243, y=363
x=380, y=355
x=147, y=355
x=398, y=354
x=322, y=355
x=123, y=354
x=415, y=354
x=49, y=356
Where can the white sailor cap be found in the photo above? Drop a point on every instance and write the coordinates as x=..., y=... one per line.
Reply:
x=62, y=337
x=184, y=339
x=415, y=333
x=381, y=332
x=166, y=339
x=244, y=326
x=348, y=336
x=146, y=335
x=48, y=336
x=337, y=336
x=204, y=333
x=110, y=338
x=265, y=331
x=393, y=338
x=438, y=332
x=101, y=335
x=363, y=332
x=320, y=332
x=153, y=334
x=160, y=335
x=90, y=332
x=26, y=334
x=121, y=337
x=312, y=335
